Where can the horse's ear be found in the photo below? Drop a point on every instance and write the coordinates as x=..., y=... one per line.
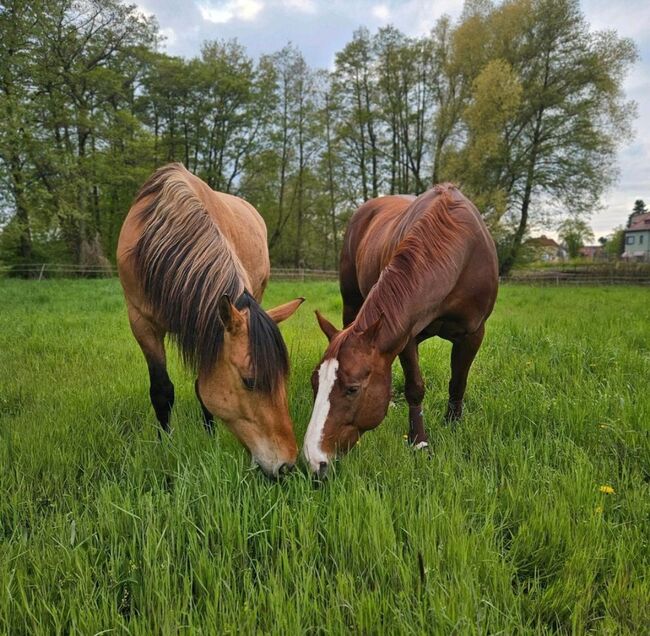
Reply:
x=282, y=312
x=326, y=326
x=230, y=316
x=371, y=332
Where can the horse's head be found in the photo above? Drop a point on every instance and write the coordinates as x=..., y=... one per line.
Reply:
x=247, y=388
x=352, y=387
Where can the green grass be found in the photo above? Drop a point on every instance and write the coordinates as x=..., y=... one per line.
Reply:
x=103, y=527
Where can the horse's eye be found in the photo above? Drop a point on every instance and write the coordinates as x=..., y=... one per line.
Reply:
x=352, y=390
x=249, y=383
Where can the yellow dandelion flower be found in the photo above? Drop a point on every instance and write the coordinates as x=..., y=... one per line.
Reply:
x=602, y=426
x=608, y=490
x=405, y=436
x=598, y=510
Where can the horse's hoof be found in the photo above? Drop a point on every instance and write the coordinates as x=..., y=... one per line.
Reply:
x=421, y=445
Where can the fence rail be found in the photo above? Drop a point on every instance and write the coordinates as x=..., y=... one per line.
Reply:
x=56, y=270
x=579, y=278
x=598, y=276
x=279, y=273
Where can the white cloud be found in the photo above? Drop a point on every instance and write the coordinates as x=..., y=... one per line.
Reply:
x=381, y=12
x=143, y=11
x=245, y=10
x=169, y=34
x=304, y=6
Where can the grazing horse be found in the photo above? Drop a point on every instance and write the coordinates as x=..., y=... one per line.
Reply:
x=411, y=268
x=194, y=263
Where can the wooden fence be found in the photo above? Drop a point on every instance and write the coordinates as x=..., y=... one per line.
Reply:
x=40, y=271
x=578, y=276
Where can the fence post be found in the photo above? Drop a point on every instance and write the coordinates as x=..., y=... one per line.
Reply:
x=40, y=276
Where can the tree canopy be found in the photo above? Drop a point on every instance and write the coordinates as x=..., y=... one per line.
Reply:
x=518, y=102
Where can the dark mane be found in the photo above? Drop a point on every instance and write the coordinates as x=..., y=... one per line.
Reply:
x=186, y=265
x=269, y=355
x=429, y=236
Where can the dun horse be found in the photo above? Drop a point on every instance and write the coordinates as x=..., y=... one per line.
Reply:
x=410, y=269
x=194, y=263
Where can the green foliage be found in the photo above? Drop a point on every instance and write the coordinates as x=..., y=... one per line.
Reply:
x=519, y=102
x=615, y=243
x=496, y=97
x=639, y=208
x=502, y=529
x=575, y=233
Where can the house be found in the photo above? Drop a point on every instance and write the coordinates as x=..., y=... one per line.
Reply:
x=546, y=249
x=637, y=238
x=593, y=252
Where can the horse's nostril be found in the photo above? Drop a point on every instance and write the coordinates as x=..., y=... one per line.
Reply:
x=322, y=470
x=285, y=469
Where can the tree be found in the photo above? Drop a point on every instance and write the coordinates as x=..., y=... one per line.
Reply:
x=615, y=243
x=560, y=143
x=355, y=89
x=518, y=102
x=575, y=232
x=639, y=208
x=482, y=162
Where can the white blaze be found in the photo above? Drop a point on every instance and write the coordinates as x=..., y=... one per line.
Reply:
x=312, y=449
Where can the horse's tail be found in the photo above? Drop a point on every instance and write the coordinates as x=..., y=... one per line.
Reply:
x=185, y=264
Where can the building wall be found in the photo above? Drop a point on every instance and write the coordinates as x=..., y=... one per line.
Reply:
x=640, y=242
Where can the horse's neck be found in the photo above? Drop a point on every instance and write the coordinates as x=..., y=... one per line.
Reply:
x=396, y=322
x=407, y=300
x=220, y=210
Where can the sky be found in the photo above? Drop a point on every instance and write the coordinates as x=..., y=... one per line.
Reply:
x=320, y=28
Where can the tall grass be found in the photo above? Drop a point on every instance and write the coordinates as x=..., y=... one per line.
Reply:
x=502, y=528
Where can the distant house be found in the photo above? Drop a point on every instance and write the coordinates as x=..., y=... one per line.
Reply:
x=637, y=238
x=546, y=249
x=593, y=252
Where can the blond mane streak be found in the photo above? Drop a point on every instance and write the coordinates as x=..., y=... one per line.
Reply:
x=186, y=265
x=430, y=236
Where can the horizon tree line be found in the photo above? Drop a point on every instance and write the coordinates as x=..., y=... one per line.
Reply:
x=518, y=102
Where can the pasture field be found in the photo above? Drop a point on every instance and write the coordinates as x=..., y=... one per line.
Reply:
x=502, y=529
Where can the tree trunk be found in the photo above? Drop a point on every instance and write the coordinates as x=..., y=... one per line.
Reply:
x=509, y=261
x=22, y=213
x=330, y=178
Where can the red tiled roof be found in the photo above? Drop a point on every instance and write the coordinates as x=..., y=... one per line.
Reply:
x=591, y=250
x=640, y=222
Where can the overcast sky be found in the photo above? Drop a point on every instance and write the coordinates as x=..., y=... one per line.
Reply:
x=320, y=28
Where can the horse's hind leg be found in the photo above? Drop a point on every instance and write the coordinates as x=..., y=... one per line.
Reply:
x=152, y=342
x=463, y=352
x=350, y=292
x=414, y=392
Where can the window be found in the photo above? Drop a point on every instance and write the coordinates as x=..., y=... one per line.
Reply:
x=630, y=240
x=641, y=239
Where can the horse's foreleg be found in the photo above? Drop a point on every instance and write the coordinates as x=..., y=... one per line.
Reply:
x=414, y=392
x=152, y=342
x=208, y=418
x=463, y=352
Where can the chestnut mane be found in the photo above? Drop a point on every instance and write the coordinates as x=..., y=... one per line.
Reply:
x=428, y=238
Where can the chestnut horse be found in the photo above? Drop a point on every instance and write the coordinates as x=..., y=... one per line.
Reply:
x=411, y=268
x=194, y=263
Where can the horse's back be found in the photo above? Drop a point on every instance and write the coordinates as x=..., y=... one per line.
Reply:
x=379, y=226
x=369, y=238
x=237, y=220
